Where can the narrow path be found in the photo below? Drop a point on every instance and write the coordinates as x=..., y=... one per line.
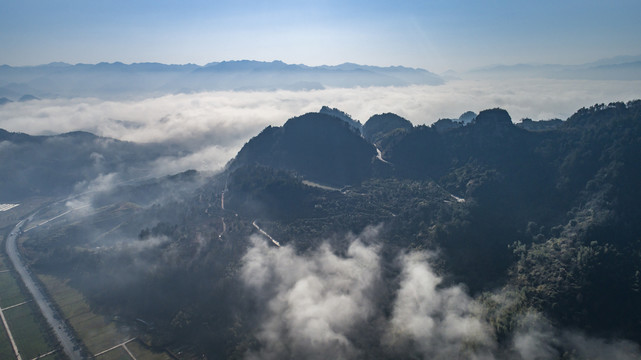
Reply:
x=16, y=305
x=115, y=347
x=266, y=234
x=222, y=218
x=124, y=346
x=56, y=217
x=458, y=199
x=320, y=186
x=45, y=354
x=220, y=236
x=13, y=342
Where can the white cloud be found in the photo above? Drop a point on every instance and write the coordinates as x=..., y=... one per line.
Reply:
x=210, y=158
x=535, y=338
x=321, y=305
x=313, y=303
x=437, y=322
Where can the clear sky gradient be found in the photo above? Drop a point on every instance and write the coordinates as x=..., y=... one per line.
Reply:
x=435, y=35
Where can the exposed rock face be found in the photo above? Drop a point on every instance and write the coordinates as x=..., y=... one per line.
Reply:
x=343, y=116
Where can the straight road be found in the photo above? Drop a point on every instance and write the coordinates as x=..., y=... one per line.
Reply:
x=60, y=329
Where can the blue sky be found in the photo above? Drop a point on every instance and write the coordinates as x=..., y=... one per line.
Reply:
x=436, y=35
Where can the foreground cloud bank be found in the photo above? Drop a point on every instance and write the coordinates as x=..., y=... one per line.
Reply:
x=325, y=306
x=214, y=125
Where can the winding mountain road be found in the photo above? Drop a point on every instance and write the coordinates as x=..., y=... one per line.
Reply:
x=222, y=218
x=379, y=156
x=60, y=329
x=266, y=234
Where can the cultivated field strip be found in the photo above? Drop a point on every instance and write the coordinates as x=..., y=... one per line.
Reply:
x=101, y=336
x=22, y=333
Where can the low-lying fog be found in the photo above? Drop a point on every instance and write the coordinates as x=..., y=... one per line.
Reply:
x=214, y=125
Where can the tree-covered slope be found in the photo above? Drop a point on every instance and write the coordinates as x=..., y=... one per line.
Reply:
x=523, y=222
x=319, y=147
x=32, y=166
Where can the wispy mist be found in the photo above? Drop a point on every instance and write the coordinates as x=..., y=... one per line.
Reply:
x=312, y=303
x=435, y=321
x=322, y=305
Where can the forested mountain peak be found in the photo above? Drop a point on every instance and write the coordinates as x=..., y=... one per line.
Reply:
x=317, y=146
x=379, y=125
x=600, y=113
x=341, y=115
x=493, y=117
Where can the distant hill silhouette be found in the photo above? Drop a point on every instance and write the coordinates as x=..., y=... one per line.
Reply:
x=443, y=125
x=51, y=165
x=467, y=117
x=118, y=80
x=27, y=97
x=541, y=125
x=616, y=68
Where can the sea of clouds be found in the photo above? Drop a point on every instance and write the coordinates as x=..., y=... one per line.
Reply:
x=213, y=126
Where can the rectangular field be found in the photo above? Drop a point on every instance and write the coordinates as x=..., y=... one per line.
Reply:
x=3, y=267
x=115, y=354
x=10, y=293
x=142, y=353
x=97, y=333
x=6, y=352
x=27, y=331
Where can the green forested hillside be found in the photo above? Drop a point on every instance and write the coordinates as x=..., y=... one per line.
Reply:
x=319, y=146
x=40, y=166
x=548, y=220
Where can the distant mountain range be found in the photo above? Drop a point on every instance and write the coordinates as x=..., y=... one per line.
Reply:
x=117, y=80
x=616, y=68
x=140, y=80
